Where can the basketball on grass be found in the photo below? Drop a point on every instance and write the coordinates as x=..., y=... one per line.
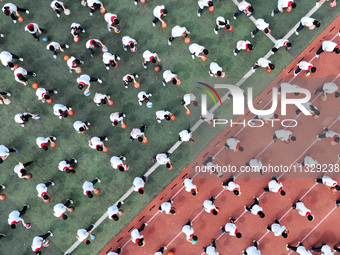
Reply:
x=231, y=28
x=15, y=66
x=76, y=39
x=137, y=85
x=187, y=40
x=172, y=117
x=70, y=112
x=106, y=149
x=78, y=69
x=164, y=25
x=123, y=125
x=188, y=112
x=49, y=101
x=29, y=176
x=21, y=19
x=143, y=1
x=268, y=69
x=66, y=57
x=53, y=144
x=96, y=191
x=145, y=140
x=289, y=9
x=102, y=10
x=111, y=102
x=157, y=69
x=204, y=58
x=2, y=197
x=35, y=85
x=211, y=8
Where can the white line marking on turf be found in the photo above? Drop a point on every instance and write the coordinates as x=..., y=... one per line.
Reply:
x=197, y=124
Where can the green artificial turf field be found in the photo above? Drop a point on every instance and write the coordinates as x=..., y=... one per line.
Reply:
x=135, y=21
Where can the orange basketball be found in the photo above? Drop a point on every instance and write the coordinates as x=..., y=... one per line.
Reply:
x=248, y=50
x=137, y=85
x=96, y=191
x=211, y=8
x=15, y=66
x=50, y=100
x=268, y=69
x=289, y=9
x=2, y=197
x=53, y=144
x=116, y=65
x=145, y=140
x=157, y=69
x=111, y=102
x=123, y=125
x=179, y=82
x=170, y=253
x=120, y=212
x=70, y=112
x=29, y=176
x=106, y=149
x=21, y=19
x=172, y=117
x=66, y=57
x=35, y=85
x=187, y=40
x=143, y=1
x=71, y=168
x=76, y=39
x=188, y=112
x=204, y=58
x=231, y=28
x=47, y=200
x=164, y=25
x=102, y=10
x=171, y=167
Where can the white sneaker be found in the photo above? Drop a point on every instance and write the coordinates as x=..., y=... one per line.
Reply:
x=118, y=58
x=55, y=92
x=34, y=74
x=106, y=139
x=193, y=56
x=67, y=46
x=317, y=56
x=14, y=21
x=28, y=206
x=211, y=74
x=317, y=137
x=22, y=125
x=55, y=56
x=100, y=81
x=53, y=184
x=272, y=14
x=198, y=14
x=125, y=49
x=159, y=121
x=216, y=32
x=58, y=15
x=136, y=75
x=135, y=3
x=21, y=59
x=60, y=117
x=27, y=11
x=235, y=54
x=253, y=70
x=169, y=43
x=2, y=35
x=252, y=35
x=296, y=32
x=91, y=14
x=3, y=187
x=140, y=103
x=144, y=65
x=317, y=4
x=109, y=29
x=51, y=234
x=9, y=94
x=146, y=224
x=234, y=17
x=71, y=201
x=107, y=68
x=83, y=30
x=153, y=24
x=99, y=181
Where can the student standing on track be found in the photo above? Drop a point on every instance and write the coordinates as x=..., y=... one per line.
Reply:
x=189, y=187
x=303, y=210
x=252, y=250
x=299, y=249
x=326, y=249
x=209, y=206
x=138, y=184
x=88, y=187
x=231, y=228
x=329, y=134
x=277, y=229
x=136, y=237
x=9, y=9
x=60, y=209
x=275, y=186
x=178, y=32
x=328, y=88
x=233, y=144
x=166, y=207
x=306, y=66
x=284, y=135
x=309, y=162
x=328, y=182
x=211, y=250
x=311, y=108
x=158, y=12
x=244, y=7
x=14, y=217
x=4, y=152
x=119, y=249
x=281, y=4
x=221, y=23
x=327, y=46
x=189, y=232
x=281, y=43
x=255, y=208
x=261, y=25
x=307, y=22
x=232, y=186
x=160, y=251
x=243, y=45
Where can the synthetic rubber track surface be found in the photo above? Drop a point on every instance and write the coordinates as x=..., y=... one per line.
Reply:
x=166, y=229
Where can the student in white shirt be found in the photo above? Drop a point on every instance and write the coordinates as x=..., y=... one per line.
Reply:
x=197, y=50
x=232, y=186
x=185, y=136
x=189, y=187
x=306, y=66
x=80, y=126
x=42, y=190
x=327, y=46
x=284, y=135
x=215, y=70
x=138, y=184
x=209, y=206
x=136, y=237
x=189, y=232
x=111, y=19
x=119, y=249
x=281, y=4
x=54, y=46
x=170, y=76
x=255, y=208
x=307, y=22
x=7, y=57
x=20, y=75
x=113, y=211
x=163, y=159
x=57, y=6
x=328, y=182
x=167, y=208
x=211, y=250
x=280, y=43
x=244, y=7
x=138, y=134
x=277, y=229
x=202, y=4
x=265, y=63
x=10, y=9
x=231, y=228
x=116, y=117
x=88, y=187
x=243, y=45
x=97, y=142
x=303, y=210
x=176, y=32
x=148, y=56
x=326, y=249
x=328, y=88
x=92, y=44
x=188, y=99
x=4, y=152
x=260, y=25
x=94, y=5
x=15, y=217
x=67, y=166
x=158, y=12
x=38, y=242
x=60, y=209
x=160, y=251
x=33, y=28
x=300, y=249
x=275, y=186
x=110, y=60
x=252, y=250
x=76, y=29
x=221, y=23
x=82, y=234
x=127, y=41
